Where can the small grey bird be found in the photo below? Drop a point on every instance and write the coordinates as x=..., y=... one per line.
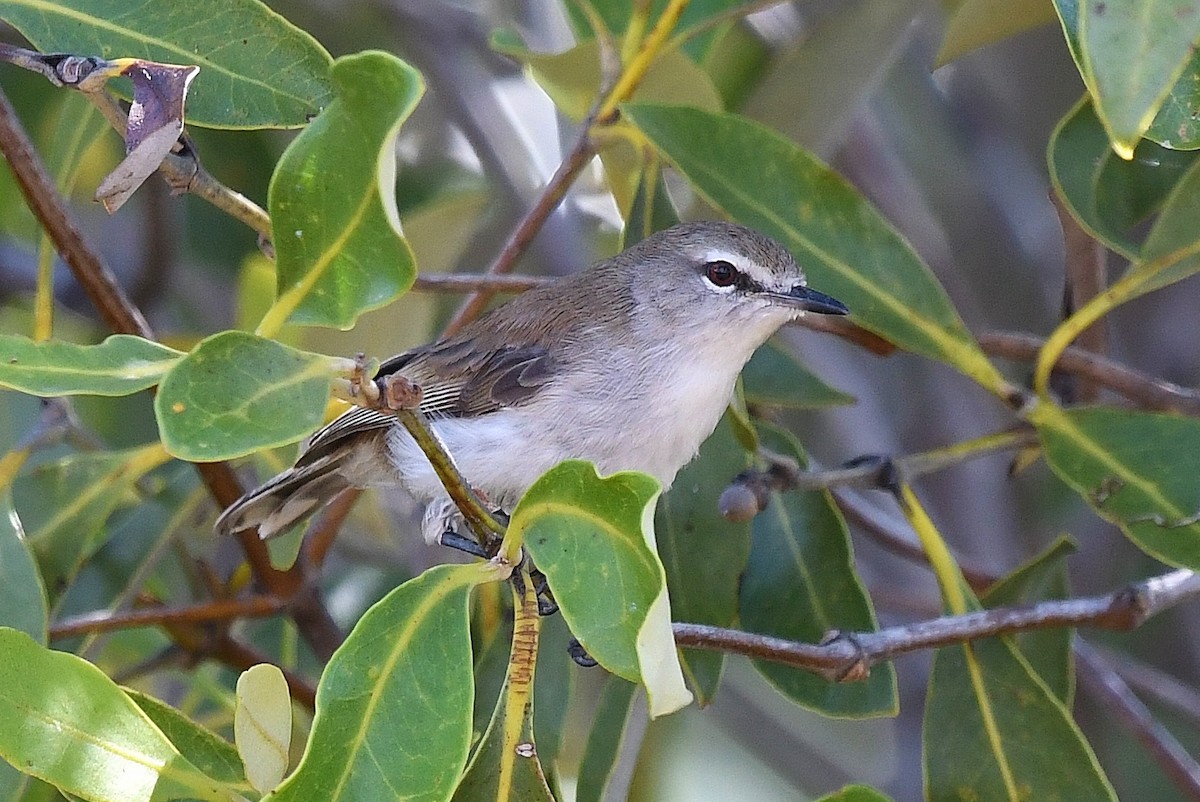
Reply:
x=628, y=364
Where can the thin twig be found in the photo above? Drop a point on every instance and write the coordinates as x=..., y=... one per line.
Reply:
x=219, y=610
x=1084, y=280
x=183, y=173
x=613, y=91
x=474, y=282
x=580, y=154
x=1170, y=755
x=845, y=654
x=1139, y=387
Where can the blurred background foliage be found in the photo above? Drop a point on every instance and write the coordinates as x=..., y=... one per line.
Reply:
x=948, y=141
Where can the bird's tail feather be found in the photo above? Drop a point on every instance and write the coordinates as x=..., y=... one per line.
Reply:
x=290, y=496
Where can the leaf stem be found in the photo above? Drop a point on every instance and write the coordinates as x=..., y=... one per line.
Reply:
x=1125, y=288
x=639, y=65
x=945, y=568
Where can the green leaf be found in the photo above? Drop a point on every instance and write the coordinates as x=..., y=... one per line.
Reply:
x=1172, y=249
x=800, y=584
x=257, y=70
x=393, y=713
x=333, y=200
x=206, y=750
x=22, y=594
x=552, y=693
x=763, y=180
x=506, y=763
x=121, y=365
x=704, y=554
x=1177, y=124
x=774, y=378
x=1048, y=650
x=605, y=740
x=1110, y=196
x=262, y=725
x=593, y=538
x=236, y=393
x=855, y=793
x=976, y=23
x=64, y=721
x=992, y=726
x=65, y=504
x=1133, y=52
x=1139, y=470
x=572, y=78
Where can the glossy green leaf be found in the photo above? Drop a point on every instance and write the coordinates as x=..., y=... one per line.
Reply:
x=993, y=727
x=257, y=70
x=332, y=200
x=206, y=750
x=236, y=393
x=593, y=538
x=976, y=23
x=1048, y=650
x=394, y=705
x=120, y=365
x=1177, y=124
x=704, y=554
x=801, y=584
x=855, y=793
x=64, y=505
x=849, y=250
x=262, y=725
x=774, y=378
x=64, y=721
x=506, y=763
x=1133, y=52
x=1139, y=470
x=22, y=594
x=572, y=78
x=1172, y=249
x=1110, y=196
x=605, y=740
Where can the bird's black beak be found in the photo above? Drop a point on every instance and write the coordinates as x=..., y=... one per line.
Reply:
x=810, y=300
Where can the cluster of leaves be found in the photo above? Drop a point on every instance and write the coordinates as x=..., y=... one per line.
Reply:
x=396, y=705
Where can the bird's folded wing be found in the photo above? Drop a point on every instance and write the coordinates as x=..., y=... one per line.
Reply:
x=456, y=380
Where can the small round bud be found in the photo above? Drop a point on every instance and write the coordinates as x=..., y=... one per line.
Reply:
x=738, y=503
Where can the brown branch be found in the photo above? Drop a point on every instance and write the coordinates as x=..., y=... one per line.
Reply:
x=1143, y=389
x=846, y=655
x=219, y=610
x=1105, y=683
x=479, y=282
x=1084, y=279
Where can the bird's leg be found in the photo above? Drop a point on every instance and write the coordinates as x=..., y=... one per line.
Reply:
x=545, y=599
x=464, y=544
x=580, y=655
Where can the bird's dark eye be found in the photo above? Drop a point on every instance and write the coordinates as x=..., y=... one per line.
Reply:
x=721, y=274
